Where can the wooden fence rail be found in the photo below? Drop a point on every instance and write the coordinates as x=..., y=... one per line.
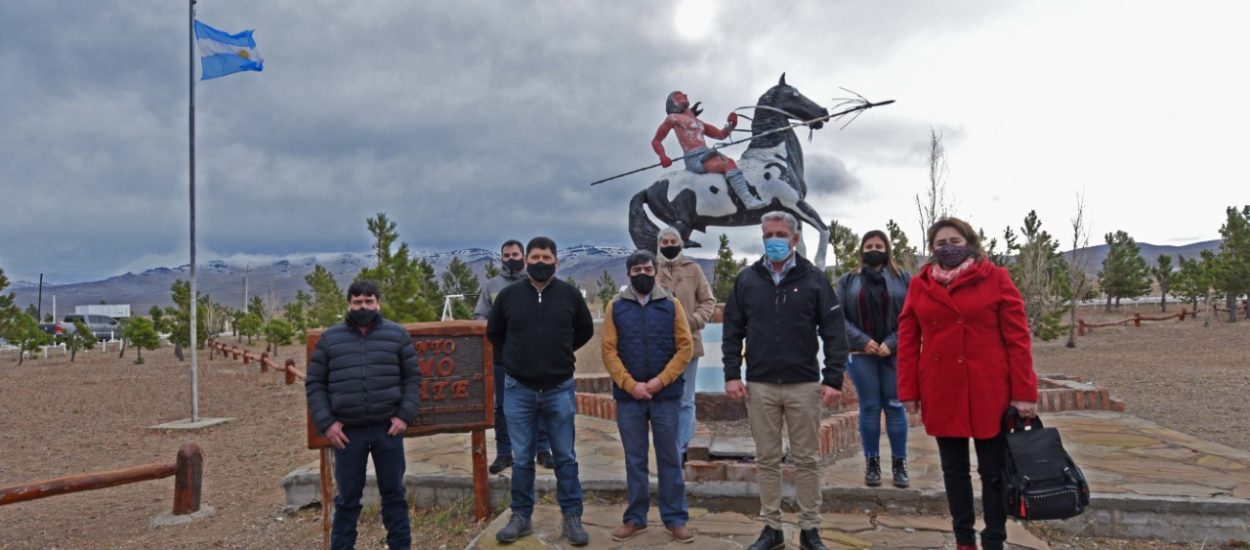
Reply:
x=187, y=469
x=290, y=372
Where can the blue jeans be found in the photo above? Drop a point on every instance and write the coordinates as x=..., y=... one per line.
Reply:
x=876, y=383
x=349, y=474
x=685, y=423
x=555, y=408
x=503, y=445
x=634, y=419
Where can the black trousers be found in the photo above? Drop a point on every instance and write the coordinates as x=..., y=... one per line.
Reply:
x=991, y=459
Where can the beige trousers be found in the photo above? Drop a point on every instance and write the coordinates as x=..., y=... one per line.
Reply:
x=799, y=407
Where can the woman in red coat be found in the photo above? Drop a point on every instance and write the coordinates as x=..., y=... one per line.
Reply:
x=964, y=356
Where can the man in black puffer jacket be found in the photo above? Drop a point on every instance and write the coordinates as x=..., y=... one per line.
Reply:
x=363, y=391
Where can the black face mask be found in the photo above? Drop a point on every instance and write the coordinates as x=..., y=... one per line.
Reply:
x=874, y=258
x=361, y=317
x=670, y=252
x=541, y=272
x=643, y=283
x=514, y=266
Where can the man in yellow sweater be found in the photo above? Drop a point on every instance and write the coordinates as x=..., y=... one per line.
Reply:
x=646, y=346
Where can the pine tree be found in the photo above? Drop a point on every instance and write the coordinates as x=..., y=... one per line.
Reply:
x=296, y=313
x=1163, y=275
x=492, y=270
x=8, y=306
x=257, y=307
x=82, y=338
x=572, y=282
x=180, y=319
x=1041, y=274
x=724, y=271
x=278, y=332
x=459, y=279
x=904, y=254
x=250, y=325
x=1124, y=273
x=25, y=332
x=1232, y=273
x=607, y=289
x=142, y=335
x=1191, y=281
x=845, y=244
x=328, y=300
x=407, y=286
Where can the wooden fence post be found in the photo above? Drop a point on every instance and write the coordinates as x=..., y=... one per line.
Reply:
x=188, y=478
x=1137, y=320
x=288, y=371
x=264, y=362
x=1080, y=327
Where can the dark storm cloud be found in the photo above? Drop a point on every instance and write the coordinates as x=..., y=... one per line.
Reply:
x=467, y=122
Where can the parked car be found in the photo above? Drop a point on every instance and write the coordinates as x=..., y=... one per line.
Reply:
x=58, y=330
x=102, y=326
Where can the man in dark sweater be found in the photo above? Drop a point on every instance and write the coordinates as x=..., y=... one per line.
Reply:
x=363, y=390
x=535, y=326
x=781, y=306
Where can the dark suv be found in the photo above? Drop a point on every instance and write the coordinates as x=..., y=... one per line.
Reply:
x=103, y=326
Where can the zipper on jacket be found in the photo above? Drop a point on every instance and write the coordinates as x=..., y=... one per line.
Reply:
x=646, y=349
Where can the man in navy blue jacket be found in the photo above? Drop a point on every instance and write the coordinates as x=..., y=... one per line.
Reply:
x=363, y=391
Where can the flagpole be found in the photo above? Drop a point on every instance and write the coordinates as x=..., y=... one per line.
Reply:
x=195, y=385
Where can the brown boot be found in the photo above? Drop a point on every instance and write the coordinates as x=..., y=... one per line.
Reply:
x=627, y=531
x=682, y=534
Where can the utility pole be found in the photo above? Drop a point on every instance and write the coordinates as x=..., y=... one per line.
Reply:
x=246, y=271
x=39, y=308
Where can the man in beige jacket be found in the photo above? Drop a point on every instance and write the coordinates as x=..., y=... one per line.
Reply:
x=684, y=279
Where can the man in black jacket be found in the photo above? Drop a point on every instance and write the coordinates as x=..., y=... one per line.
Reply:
x=363, y=390
x=535, y=326
x=781, y=305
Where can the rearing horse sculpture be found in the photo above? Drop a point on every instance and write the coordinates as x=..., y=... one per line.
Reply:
x=772, y=164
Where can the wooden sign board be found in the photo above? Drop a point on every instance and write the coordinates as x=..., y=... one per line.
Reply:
x=457, y=379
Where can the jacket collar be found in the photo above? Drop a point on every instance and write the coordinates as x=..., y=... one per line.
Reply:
x=679, y=261
x=765, y=267
x=657, y=294
x=980, y=270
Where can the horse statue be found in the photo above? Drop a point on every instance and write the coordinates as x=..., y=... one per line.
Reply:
x=772, y=165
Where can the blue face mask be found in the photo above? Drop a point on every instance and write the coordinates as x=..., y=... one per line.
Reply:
x=777, y=249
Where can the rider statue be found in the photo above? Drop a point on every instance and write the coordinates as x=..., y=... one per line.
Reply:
x=684, y=119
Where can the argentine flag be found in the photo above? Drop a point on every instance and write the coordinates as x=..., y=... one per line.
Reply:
x=222, y=54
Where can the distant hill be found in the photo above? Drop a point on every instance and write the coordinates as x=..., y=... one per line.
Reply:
x=277, y=281
x=1149, y=252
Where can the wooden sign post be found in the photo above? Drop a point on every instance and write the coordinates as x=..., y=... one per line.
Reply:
x=457, y=395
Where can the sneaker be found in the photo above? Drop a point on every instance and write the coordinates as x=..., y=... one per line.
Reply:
x=682, y=534
x=872, y=471
x=901, y=479
x=501, y=463
x=545, y=460
x=573, y=530
x=516, y=528
x=770, y=539
x=627, y=531
x=809, y=539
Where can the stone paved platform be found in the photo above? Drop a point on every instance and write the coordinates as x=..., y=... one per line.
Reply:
x=1148, y=481
x=733, y=530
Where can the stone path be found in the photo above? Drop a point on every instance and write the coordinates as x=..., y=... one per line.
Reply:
x=731, y=530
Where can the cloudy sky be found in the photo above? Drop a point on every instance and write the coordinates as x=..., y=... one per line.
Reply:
x=472, y=122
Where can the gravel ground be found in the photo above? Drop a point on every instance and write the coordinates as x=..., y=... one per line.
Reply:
x=59, y=418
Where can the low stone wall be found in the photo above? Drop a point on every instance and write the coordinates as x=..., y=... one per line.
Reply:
x=839, y=432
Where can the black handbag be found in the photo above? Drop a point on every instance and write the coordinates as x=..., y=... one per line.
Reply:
x=1040, y=480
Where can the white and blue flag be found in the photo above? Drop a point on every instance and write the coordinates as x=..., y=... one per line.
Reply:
x=222, y=53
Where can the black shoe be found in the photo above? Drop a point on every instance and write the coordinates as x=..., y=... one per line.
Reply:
x=516, y=528
x=872, y=473
x=770, y=539
x=901, y=480
x=501, y=463
x=545, y=460
x=809, y=539
x=573, y=530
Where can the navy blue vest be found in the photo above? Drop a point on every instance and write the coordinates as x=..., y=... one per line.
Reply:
x=645, y=342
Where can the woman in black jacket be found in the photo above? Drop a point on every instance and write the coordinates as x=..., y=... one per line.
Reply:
x=872, y=296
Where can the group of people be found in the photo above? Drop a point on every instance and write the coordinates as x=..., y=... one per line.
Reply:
x=951, y=344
